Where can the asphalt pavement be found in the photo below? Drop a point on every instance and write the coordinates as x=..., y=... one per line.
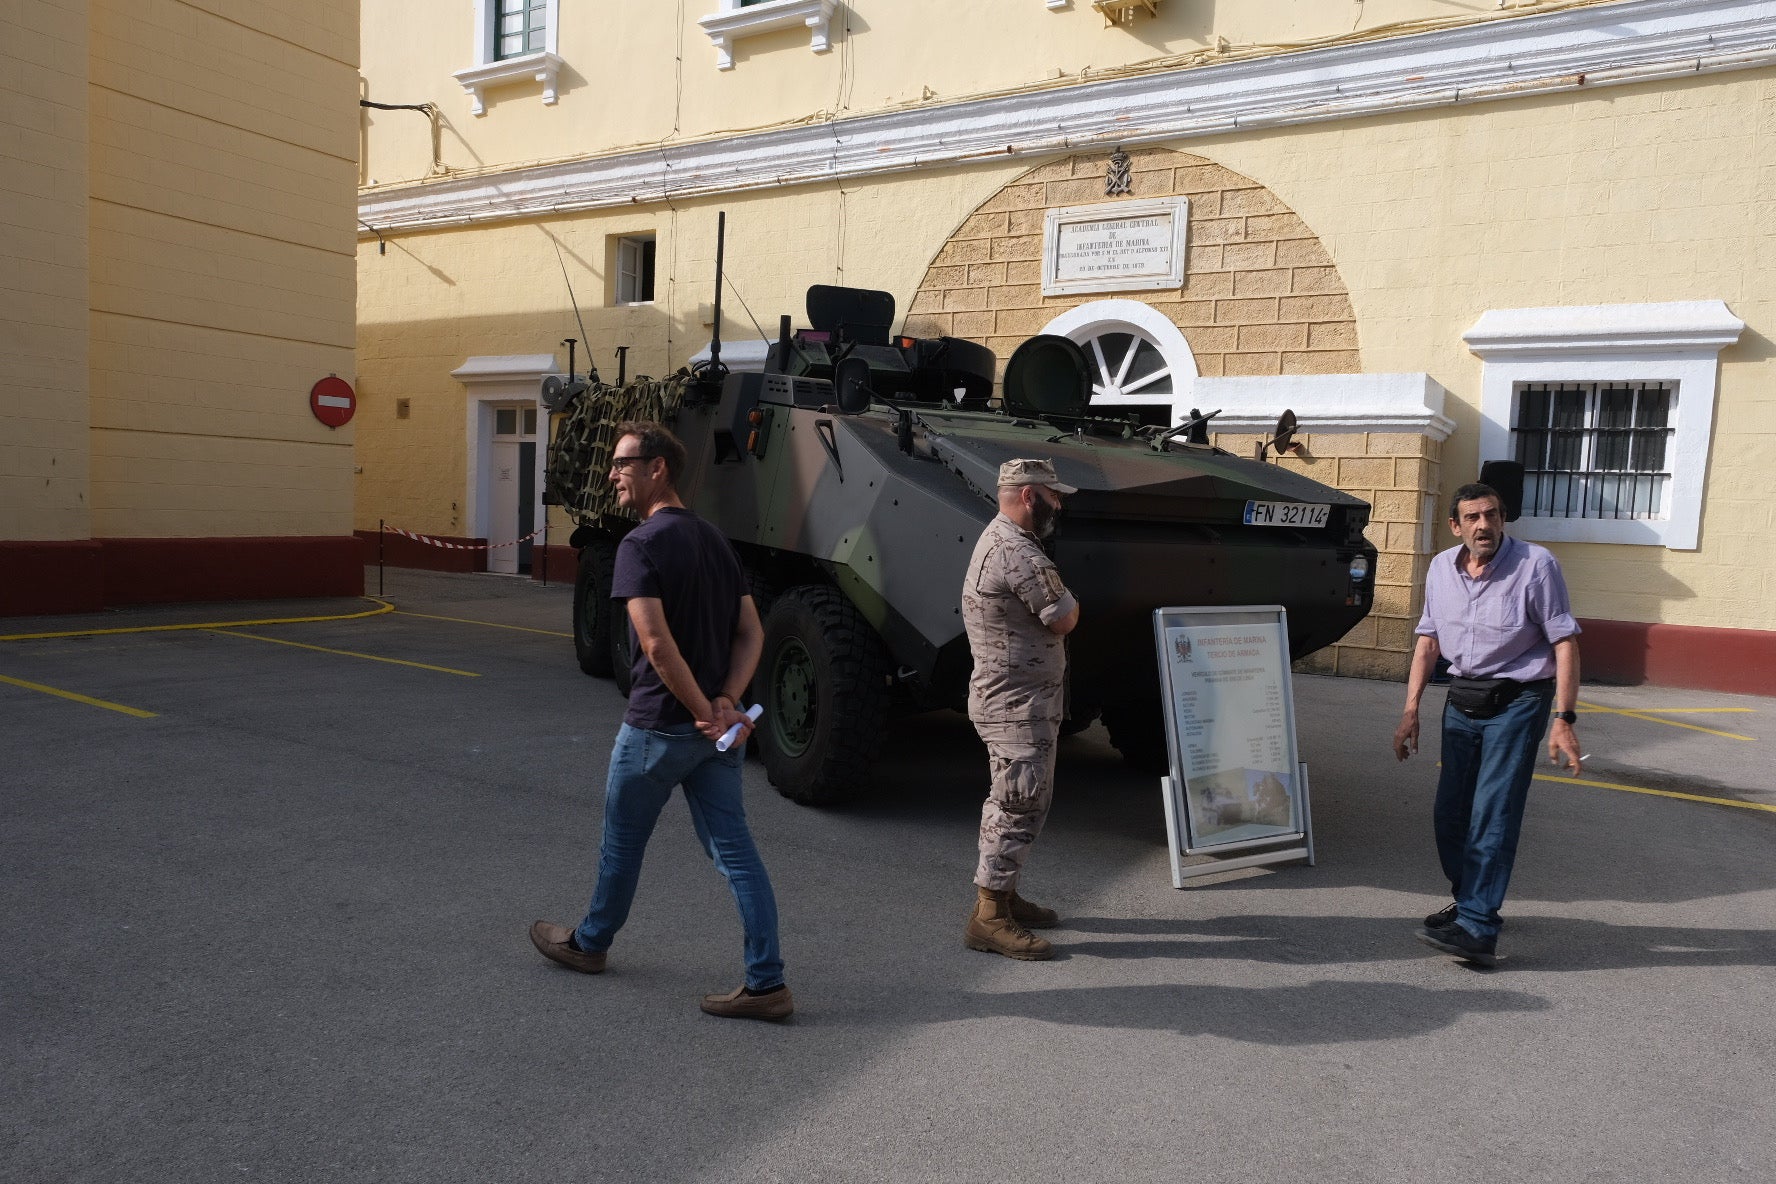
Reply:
x=267, y=879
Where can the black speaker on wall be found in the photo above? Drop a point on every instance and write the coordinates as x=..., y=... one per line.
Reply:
x=1505, y=476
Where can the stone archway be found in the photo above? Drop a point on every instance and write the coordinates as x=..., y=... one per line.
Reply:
x=1260, y=294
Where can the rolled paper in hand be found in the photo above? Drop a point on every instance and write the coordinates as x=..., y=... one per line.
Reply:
x=733, y=733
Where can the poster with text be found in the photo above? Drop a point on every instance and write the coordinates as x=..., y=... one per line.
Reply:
x=1233, y=730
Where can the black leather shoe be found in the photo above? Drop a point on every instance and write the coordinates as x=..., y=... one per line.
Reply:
x=1442, y=918
x=1453, y=939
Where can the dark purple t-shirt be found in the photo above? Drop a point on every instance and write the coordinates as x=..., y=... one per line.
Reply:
x=691, y=568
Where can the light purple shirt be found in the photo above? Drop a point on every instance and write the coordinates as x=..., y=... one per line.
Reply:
x=1503, y=624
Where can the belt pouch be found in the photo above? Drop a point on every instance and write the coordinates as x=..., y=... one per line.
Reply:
x=1482, y=698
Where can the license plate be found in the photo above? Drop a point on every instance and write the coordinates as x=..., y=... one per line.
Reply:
x=1304, y=514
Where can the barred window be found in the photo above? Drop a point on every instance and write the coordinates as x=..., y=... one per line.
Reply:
x=520, y=27
x=1594, y=449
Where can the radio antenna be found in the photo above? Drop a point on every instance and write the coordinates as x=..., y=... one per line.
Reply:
x=591, y=366
x=715, y=330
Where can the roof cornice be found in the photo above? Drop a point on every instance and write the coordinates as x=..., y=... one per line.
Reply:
x=1573, y=49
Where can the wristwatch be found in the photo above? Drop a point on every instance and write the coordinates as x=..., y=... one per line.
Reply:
x=1567, y=717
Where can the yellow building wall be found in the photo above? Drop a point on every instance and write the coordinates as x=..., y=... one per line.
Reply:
x=223, y=143
x=639, y=74
x=1633, y=194
x=1625, y=194
x=43, y=276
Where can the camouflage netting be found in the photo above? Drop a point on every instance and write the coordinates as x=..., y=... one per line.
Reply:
x=578, y=472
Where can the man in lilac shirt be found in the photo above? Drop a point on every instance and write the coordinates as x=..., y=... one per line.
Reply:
x=1496, y=607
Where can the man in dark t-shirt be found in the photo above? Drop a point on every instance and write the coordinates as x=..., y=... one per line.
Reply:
x=696, y=638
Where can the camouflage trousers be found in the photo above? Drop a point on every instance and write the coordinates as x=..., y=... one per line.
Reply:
x=1021, y=758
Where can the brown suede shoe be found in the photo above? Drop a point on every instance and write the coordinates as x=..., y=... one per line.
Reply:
x=993, y=930
x=738, y=1005
x=1032, y=916
x=551, y=942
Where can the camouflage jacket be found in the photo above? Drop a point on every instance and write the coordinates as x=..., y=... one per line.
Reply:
x=1010, y=595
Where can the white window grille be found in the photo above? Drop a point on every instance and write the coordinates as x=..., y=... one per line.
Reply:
x=1594, y=449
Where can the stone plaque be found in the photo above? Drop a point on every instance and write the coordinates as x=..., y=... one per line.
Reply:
x=1120, y=246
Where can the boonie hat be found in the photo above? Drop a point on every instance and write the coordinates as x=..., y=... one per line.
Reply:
x=1032, y=472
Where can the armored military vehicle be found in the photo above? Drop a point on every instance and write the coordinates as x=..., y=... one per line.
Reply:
x=854, y=475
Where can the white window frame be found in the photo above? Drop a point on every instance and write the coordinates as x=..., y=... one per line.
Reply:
x=1677, y=343
x=489, y=71
x=627, y=244
x=733, y=20
x=1098, y=317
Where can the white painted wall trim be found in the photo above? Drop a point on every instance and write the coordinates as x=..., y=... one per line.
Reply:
x=1676, y=342
x=492, y=380
x=1577, y=49
x=732, y=22
x=1332, y=403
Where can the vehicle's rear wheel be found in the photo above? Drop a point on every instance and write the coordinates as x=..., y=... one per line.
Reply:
x=1137, y=729
x=592, y=613
x=823, y=683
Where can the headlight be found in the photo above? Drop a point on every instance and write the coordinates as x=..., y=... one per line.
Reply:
x=1359, y=569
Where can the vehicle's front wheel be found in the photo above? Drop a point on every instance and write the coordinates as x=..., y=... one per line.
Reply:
x=822, y=681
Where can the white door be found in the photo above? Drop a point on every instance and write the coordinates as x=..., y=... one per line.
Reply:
x=511, y=489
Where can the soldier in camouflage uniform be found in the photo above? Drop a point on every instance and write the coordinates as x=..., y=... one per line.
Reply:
x=1017, y=611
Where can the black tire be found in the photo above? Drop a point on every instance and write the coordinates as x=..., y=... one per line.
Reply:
x=1137, y=729
x=592, y=614
x=823, y=683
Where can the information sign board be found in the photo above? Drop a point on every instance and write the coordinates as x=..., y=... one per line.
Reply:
x=1114, y=246
x=1237, y=783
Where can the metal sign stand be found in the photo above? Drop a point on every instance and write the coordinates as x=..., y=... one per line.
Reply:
x=1181, y=871
x=1230, y=734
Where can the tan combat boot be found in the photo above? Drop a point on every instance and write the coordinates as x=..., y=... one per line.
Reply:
x=1032, y=916
x=992, y=929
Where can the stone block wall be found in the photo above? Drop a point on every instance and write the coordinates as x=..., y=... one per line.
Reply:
x=1260, y=294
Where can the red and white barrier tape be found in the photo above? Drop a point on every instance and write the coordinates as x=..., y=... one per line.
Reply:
x=432, y=542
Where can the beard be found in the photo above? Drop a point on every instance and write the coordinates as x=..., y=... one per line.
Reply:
x=1042, y=519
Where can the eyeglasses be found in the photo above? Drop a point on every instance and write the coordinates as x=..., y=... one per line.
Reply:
x=619, y=463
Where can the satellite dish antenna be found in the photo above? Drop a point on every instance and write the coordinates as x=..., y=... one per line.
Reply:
x=558, y=392
x=1282, y=439
x=851, y=385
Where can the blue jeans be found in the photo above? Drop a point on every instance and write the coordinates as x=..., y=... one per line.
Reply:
x=1487, y=766
x=644, y=768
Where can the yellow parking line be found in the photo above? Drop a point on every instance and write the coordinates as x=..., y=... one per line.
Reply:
x=382, y=606
x=348, y=653
x=1658, y=793
x=489, y=624
x=1698, y=710
x=86, y=699
x=1670, y=723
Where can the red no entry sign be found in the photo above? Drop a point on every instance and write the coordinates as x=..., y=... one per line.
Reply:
x=333, y=401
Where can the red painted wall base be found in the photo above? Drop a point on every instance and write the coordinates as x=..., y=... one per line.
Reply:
x=557, y=564
x=1738, y=661
x=397, y=550
x=39, y=578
